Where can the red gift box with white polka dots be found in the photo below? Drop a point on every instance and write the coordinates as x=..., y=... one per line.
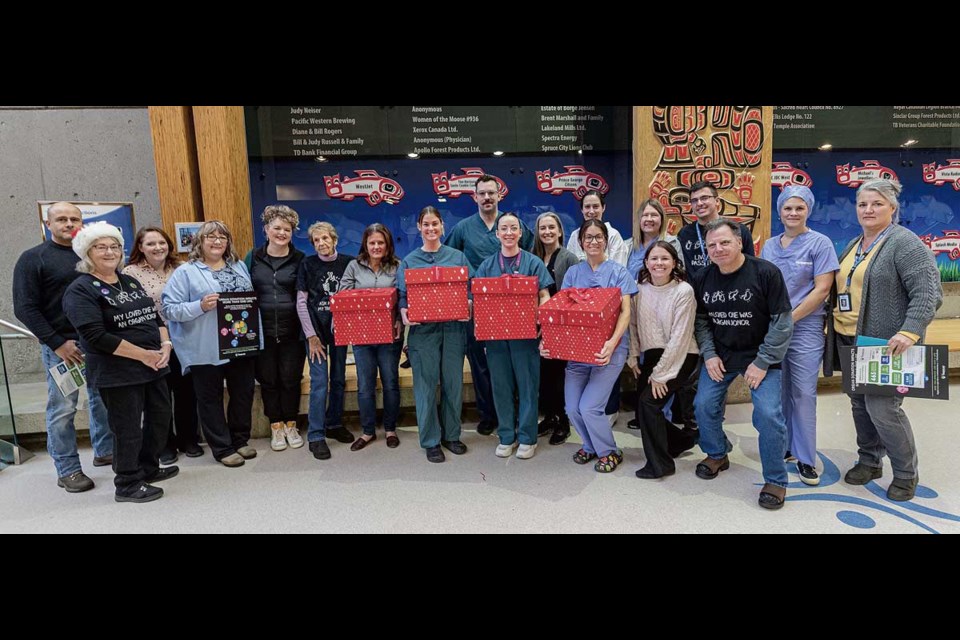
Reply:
x=576, y=322
x=363, y=316
x=505, y=308
x=437, y=294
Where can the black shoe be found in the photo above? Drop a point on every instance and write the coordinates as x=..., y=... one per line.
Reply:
x=340, y=434
x=193, y=451
x=789, y=457
x=454, y=446
x=76, y=482
x=405, y=364
x=104, y=461
x=320, y=450
x=647, y=473
x=485, y=427
x=862, y=474
x=633, y=424
x=560, y=434
x=163, y=474
x=689, y=441
x=435, y=454
x=808, y=475
x=547, y=425
x=143, y=493
x=902, y=489
x=168, y=457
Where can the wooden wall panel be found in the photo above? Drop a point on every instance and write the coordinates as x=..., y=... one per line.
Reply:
x=732, y=147
x=175, y=157
x=224, y=173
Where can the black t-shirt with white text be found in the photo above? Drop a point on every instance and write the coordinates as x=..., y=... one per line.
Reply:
x=321, y=280
x=740, y=305
x=104, y=315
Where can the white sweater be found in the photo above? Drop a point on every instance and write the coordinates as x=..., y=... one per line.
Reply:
x=663, y=318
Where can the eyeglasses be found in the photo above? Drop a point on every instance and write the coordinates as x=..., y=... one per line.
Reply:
x=104, y=248
x=593, y=239
x=702, y=199
x=216, y=239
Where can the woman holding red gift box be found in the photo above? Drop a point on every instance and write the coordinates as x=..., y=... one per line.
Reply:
x=587, y=386
x=436, y=349
x=548, y=246
x=514, y=364
x=376, y=268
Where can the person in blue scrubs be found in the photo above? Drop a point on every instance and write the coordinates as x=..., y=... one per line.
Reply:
x=476, y=237
x=515, y=364
x=587, y=386
x=809, y=264
x=436, y=349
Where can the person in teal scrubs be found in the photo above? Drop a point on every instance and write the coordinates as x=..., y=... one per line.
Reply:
x=515, y=364
x=436, y=349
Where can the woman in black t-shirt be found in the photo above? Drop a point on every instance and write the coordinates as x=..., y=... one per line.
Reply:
x=127, y=350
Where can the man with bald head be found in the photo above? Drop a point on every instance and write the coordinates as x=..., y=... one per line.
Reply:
x=41, y=276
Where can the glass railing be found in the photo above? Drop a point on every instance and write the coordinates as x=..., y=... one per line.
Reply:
x=10, y=450
x=8, y=427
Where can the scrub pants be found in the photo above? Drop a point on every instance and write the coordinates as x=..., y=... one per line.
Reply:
x=801, y=367
x=436, y=353
x=587, y=390
x=515, y=371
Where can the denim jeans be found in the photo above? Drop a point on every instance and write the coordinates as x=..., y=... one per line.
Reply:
x=767, y=420
x=61, y=432
x=338, y=384
x=316, y=414
x=371, y=358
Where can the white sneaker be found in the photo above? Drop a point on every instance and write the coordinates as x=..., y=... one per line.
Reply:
x=505, y=450
x=277, y=441
x=526, y=451
x=293, y=436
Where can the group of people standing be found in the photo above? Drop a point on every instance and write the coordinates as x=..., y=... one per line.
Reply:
x=696, y=311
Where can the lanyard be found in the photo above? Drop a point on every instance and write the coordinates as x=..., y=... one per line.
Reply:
x=703, y=248
x=862, y=255
x=514, y=265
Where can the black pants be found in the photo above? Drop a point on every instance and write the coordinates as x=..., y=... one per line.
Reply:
x=682, y=409
x=279, y=370
x=662, y=441
x=136, y=449
x=225, y=434
x=183, y=432
x=552, y=397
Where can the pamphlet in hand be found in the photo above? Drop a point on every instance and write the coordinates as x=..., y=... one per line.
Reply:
x=922, y=371
x=238, y=324
x=69, y=377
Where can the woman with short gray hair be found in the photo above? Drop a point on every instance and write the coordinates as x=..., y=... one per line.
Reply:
x=888, y=287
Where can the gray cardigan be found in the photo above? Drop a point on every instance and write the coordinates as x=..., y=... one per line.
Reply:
x=901, y=289
x=565, y=260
